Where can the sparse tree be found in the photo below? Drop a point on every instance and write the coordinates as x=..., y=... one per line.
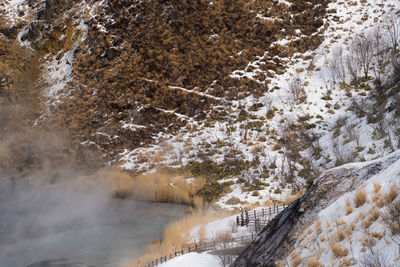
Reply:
x=362, y=46
x=296, y=88
x=392, y=22
x=336, y=66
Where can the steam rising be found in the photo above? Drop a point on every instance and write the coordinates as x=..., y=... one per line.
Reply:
x=75, y=219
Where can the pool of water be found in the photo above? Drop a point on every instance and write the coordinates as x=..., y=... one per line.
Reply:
x=65, y=227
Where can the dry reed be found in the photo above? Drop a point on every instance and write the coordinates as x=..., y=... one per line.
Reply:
x=360, y=198
x=338, y=250
x=177, y=236
x=160, y=187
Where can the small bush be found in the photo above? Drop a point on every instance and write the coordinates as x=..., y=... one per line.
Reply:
x=360, y=198
x=339, y=251
x=270, y=114
x=341, y=235
x=314, y=262
x=349, y=208
x=389, y=197
x=377, y=187
x=233, y=201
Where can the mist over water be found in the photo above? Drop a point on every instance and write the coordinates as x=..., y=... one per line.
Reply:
x=74, y=222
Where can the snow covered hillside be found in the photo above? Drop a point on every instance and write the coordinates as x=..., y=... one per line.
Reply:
x=349, y=217
x=360, y=228
x=323, y=111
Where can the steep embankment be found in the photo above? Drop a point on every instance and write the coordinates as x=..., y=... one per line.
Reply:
x=117, y=75
x=341, y=219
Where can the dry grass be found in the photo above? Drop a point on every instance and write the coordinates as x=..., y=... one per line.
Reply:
x=391, y=195
x=378, y=235
x=296, y=260
x=339, y=251
x=177, y=236
x=349, y=208
x=347, y=262
x=379, y=200
x=341, y=235
x=374, y=215
x=318, y=227
x=291, y=198
x=377, y=187
x=314, y=262
x=160, y=187
x=360, y=198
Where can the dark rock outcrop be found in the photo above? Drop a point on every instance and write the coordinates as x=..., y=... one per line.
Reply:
x=278, y=236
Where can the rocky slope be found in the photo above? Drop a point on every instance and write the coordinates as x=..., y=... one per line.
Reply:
x=298, y=231
x=116, y=74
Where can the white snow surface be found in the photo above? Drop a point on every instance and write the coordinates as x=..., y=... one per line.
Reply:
x=334, y=218
x=193, y=260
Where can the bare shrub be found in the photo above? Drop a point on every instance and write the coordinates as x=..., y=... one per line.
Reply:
x=362, y=47
x=342, y=155
x=392, y=22
x=296, y=88
x=224, y=252
x=352, y=65
x=336, y=65
x=352, y=133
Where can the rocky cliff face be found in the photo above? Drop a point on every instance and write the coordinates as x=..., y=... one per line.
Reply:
x=278, y=238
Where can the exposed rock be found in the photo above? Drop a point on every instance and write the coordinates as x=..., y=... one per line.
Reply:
x=278, y=236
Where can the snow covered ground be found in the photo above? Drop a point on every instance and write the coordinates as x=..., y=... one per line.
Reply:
x=193, y=260
x=351, y=229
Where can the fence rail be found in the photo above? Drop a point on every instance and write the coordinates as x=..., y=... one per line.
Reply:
x=254, y=219
x=259, y=218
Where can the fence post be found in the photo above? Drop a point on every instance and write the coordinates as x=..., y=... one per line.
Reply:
x=156, y=262
x=237, y=220
x=175, y=253
x=160, y=259
x=195, y=244
x=165, y=258
x=255, y=215
x=247, y=218
x=263, y=212
x=189, y=248
x=242, y=219
x=182, y=252
x=170, y=256
x=269, y=210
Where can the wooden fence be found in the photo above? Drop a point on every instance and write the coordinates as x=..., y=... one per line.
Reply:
x=255, y=219
x=204, y=246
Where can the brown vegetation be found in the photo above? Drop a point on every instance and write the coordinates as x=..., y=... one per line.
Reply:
x=360, y=198
x=177, y=235
x=338, y=250
x=130, y=71
x=160, y=186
